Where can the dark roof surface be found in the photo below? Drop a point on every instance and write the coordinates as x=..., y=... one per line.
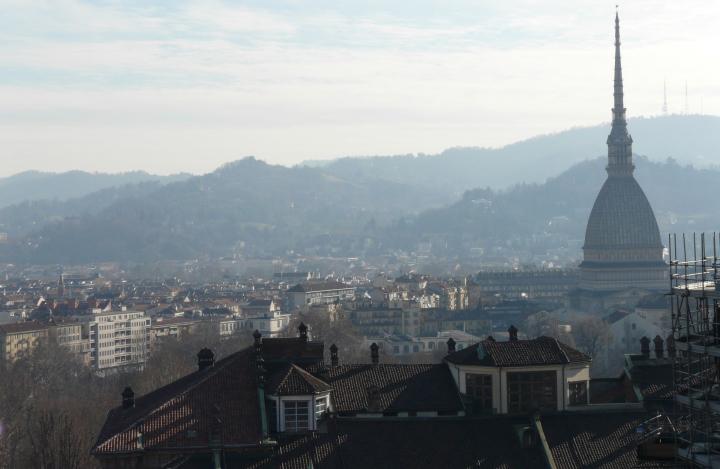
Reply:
x=594, y=440
x=401, y=387
x=540, y=351
x=291, y=380
x=220, y=399
x=417, y=444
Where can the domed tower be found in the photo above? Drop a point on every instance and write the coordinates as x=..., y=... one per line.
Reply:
x=622, y=240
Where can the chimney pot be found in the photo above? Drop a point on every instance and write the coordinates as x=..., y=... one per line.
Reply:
x=645, y=347
x=128, y=398
x=670, y=344
x=451, y=345
x=206, y=359
x=334, y=355
x=658, y=346
x=302, y=328
x=512, y=331
x=374, y=355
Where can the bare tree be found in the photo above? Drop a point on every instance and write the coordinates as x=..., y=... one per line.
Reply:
x=591, y=334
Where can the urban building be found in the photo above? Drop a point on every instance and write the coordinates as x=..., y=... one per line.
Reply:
x=119, y=339
x=19, y=339
x=280, y=403
x=307, y=294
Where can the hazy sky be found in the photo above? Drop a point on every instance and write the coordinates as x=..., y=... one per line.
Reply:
x=187, y=86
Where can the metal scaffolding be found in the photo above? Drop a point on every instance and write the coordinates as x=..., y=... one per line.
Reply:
x=695, y=307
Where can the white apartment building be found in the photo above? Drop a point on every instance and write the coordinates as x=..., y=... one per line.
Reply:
x=119, y=339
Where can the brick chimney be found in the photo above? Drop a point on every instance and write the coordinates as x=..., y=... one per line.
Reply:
x=128, y=398
x=334, y=355
x=451, y=345
x=512, y=331
x=645, y=347
x=302, y=329
x=206, y=359
x=670, y=344
x=658, y=341
x=257, y=338
x=374, y=355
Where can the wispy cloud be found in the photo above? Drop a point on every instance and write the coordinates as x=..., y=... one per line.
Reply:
x=188, y=85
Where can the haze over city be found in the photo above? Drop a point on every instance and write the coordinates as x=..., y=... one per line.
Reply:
x=187, y=86
x=519, y=268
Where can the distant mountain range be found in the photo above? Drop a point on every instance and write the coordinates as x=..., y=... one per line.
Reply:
x=37, y=185
x=689, y=139
x=358, y=207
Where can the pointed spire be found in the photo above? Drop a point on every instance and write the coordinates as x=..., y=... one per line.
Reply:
x=619, y=141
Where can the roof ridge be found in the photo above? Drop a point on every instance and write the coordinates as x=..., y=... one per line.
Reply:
x=562, y=350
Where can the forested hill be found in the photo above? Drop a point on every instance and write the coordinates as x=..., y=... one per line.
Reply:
x=38, y=185
x=246, y=207
x=689, y=139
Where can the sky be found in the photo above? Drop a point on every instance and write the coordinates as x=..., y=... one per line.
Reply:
x=185, y=86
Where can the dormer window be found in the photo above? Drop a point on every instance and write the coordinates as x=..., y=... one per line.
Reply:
x=296, y=416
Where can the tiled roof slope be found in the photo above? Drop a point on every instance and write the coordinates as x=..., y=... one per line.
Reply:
x=540, y=351
x=401, y=388
x=596, y=440
x=417, y=444
x=291, y=380
x=295, y=349
x=220, y=400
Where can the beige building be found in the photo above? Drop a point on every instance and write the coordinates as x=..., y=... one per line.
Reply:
x=17, y=340
x=119, y=339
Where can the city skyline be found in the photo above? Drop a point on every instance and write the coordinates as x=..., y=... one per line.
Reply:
x=187, y=87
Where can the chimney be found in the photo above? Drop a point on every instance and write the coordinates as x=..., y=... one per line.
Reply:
x=645, y=347
x=658, y=341
x=373, y=396
x=334, y=355
x=257, y=336
x=670, y=344
x=374, y=355
x=490, y=338
x=128, y=398
x=206, y=359
x=302, y=328
x=512, y=331
x=451, y=345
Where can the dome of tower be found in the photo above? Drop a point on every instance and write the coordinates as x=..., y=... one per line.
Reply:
x=622, y=218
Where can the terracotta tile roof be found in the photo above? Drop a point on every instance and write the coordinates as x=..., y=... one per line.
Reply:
x=594, y=440
x=220, y=400
x=291, y=380
x=401, y=387
x=540, y=351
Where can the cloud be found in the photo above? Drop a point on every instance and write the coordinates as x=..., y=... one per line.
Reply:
x=120, y=83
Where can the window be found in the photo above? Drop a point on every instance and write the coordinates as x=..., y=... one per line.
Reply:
x=320, y=407
x=479, y=388
x=532, y=390
x=296, y=416
x=578, y=393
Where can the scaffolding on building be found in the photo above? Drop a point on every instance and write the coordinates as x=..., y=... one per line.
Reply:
x=695, y=308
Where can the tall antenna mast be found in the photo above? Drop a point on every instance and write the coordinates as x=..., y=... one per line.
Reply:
x=664, y=107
